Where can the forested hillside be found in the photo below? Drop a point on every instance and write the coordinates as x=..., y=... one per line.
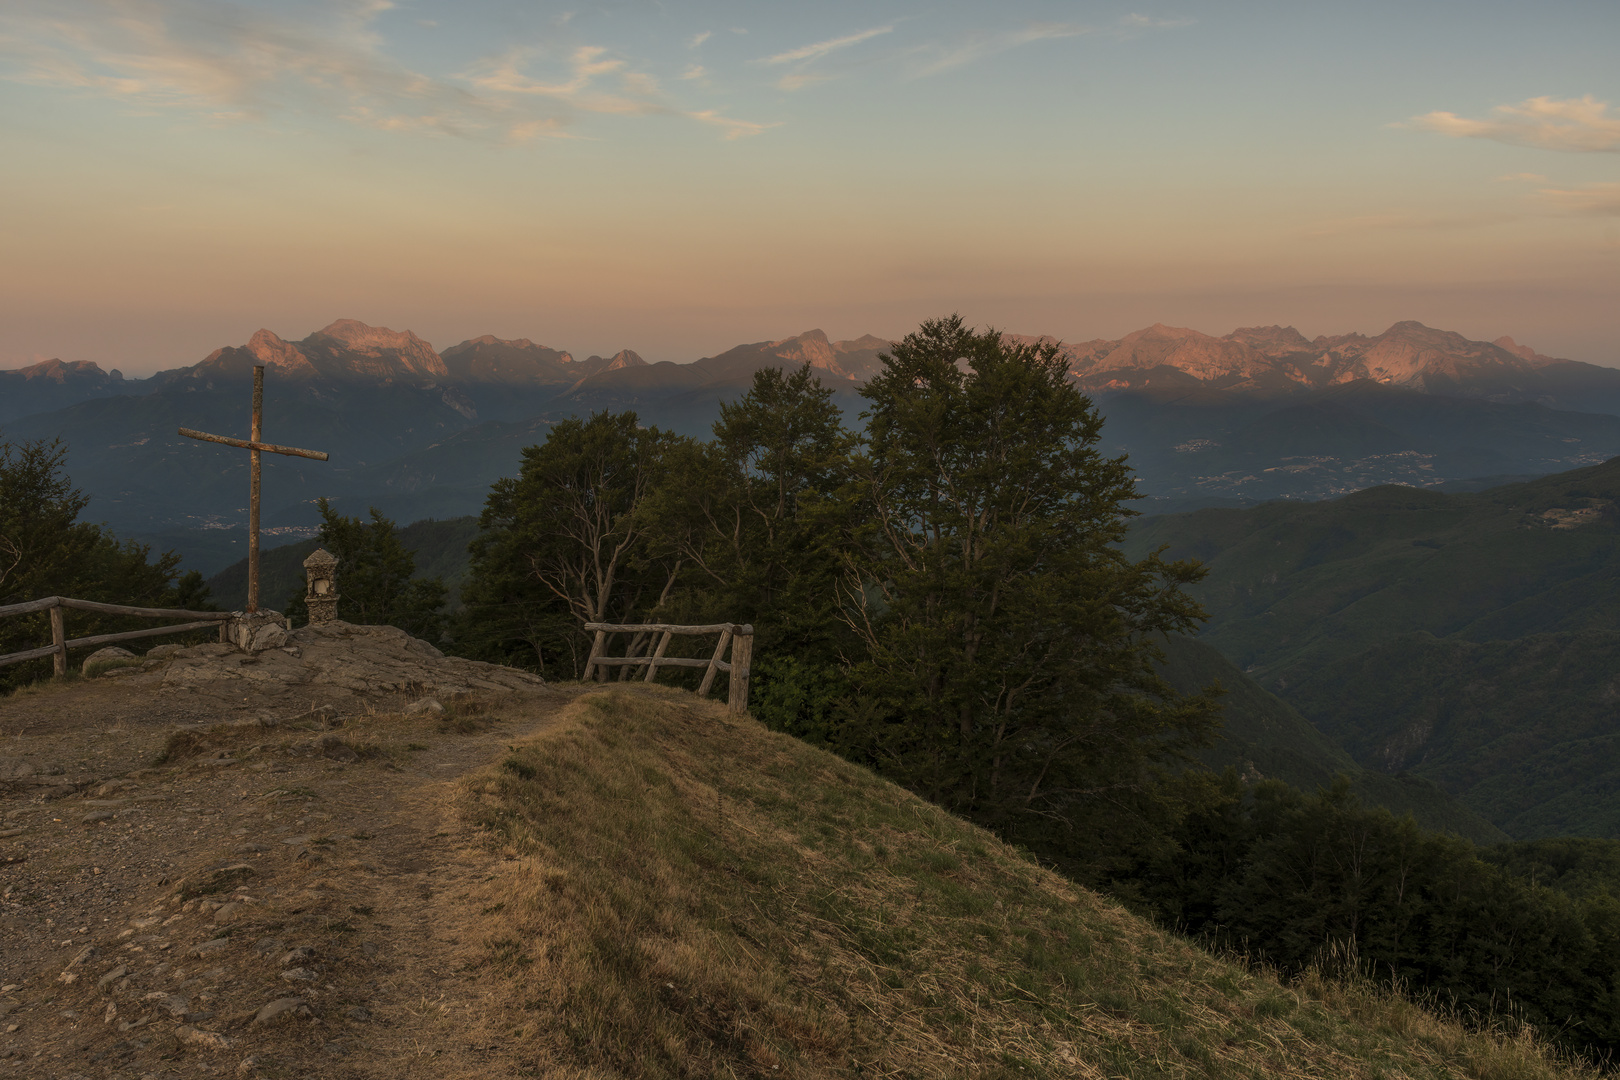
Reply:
x=1468, y=639
x=1264, y=737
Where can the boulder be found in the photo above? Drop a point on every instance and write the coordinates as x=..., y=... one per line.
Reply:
x=110, y=654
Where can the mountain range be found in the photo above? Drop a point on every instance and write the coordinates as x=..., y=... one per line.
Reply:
x=1261, y=413
x=1271, y=360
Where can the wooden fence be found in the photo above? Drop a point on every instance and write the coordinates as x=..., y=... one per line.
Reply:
x=60, y=643
x=739, y=637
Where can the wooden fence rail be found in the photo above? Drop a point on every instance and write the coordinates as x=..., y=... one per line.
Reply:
x=61, y=643
x=739, y=636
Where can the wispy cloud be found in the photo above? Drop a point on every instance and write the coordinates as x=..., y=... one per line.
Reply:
x=231, y=63
x=943, y=56
x=1582, y=125
x=733, y=128
x=1153, y=22
x=803, y=59
x=699, y=39
x=1592, y=200
x=822, y=48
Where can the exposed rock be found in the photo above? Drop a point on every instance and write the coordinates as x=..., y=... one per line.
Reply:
x=173, y=1004
x=338, y=660
x=102, y=656
x=254, y=633
x=280, y=1009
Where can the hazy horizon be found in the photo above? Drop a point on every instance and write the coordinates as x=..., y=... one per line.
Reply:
x=676, y=182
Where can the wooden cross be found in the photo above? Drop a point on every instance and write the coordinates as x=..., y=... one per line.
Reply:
x=253, y=446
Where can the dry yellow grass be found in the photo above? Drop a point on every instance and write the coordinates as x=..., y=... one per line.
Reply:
x=694, y=896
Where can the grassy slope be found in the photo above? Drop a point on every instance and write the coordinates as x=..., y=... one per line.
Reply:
x=700, y=897
x=1261, y=733
x=1392, y=619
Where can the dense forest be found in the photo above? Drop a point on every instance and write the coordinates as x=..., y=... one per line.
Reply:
x=945, y=596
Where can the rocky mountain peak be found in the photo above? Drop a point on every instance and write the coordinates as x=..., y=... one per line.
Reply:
x=62, y=371
x=283, y=356
x=1271, y=340
x=349, y=348
x=810, y=347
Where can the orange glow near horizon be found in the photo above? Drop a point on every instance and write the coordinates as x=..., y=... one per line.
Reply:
x=678, y=189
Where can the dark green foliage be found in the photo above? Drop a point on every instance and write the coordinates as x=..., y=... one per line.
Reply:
x=45, y=550
x=1578, y=866
x=800, y=699
x=376, y=577
x=1009, y=647
x=570, y=541
x=1299, y=879
x=758, y=516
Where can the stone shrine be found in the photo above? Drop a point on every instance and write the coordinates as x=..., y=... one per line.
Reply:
x=321, y=595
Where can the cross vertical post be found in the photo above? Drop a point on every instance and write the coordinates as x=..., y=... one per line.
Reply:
x=253, y=490
x=254, y=446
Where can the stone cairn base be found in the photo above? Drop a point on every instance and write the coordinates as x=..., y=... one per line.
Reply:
x=256, y=632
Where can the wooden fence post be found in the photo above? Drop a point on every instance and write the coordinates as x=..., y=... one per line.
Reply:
x=652, y=665
x=596, y=650
x=59, y=639
x=714, y=662
x=742, y=655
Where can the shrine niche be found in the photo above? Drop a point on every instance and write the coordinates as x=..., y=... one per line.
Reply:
x=320, y=592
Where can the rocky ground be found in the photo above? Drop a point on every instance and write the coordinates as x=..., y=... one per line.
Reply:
x=220, y=865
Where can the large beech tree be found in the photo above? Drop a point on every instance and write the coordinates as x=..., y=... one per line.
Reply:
x=1010, y=647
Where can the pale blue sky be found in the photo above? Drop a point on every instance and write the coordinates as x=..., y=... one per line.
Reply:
x=679, y=178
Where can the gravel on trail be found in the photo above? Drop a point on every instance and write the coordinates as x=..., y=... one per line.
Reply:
x=218, y=864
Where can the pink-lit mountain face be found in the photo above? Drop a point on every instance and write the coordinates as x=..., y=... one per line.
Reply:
x=1269, y=359
x=1265, y=361
x=347, y=351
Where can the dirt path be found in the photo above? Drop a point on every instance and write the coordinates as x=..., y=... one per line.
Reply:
x=286, y=895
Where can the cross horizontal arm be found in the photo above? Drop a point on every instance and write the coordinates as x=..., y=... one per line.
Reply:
x=269, y=448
